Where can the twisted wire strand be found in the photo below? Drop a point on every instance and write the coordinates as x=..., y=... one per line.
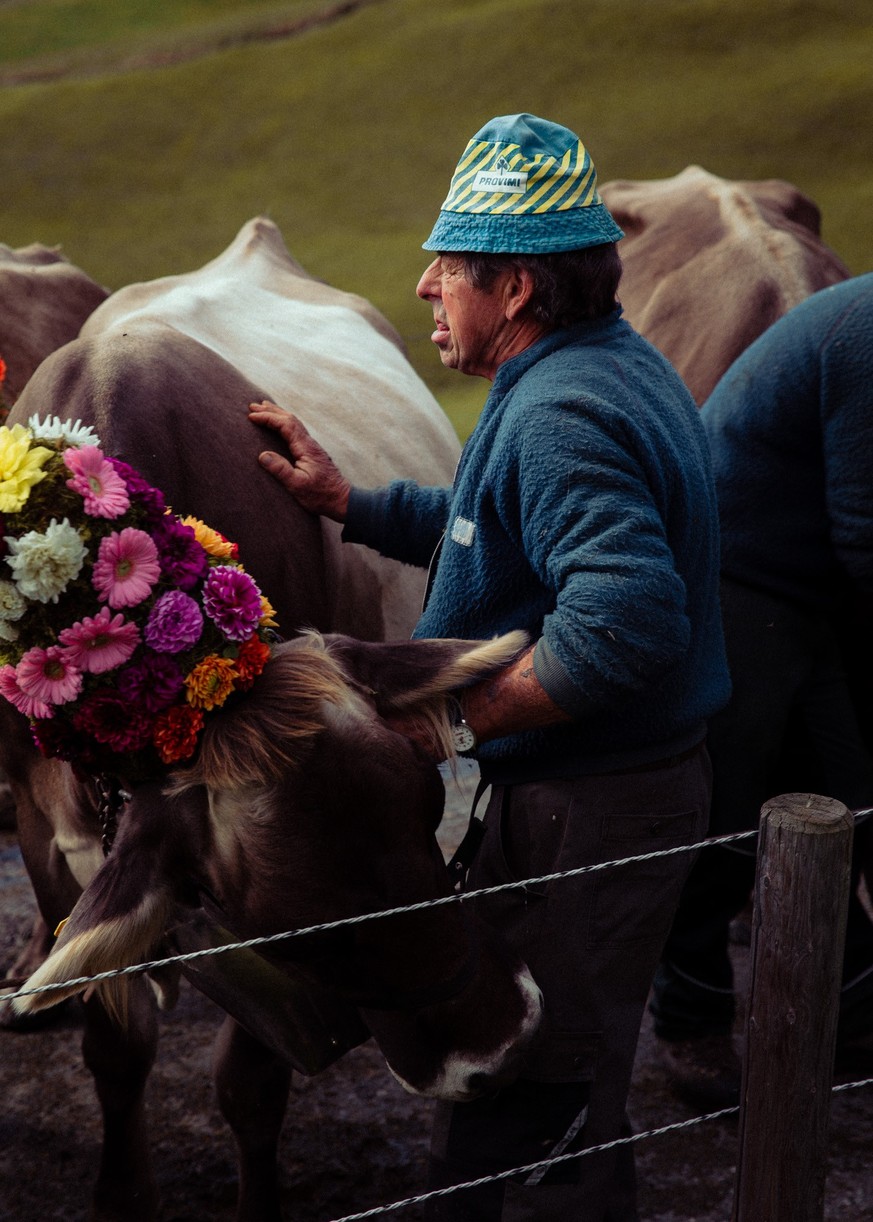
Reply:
x=563, y=1158
x=344, y=922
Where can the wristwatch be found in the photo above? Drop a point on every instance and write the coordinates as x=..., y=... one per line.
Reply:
x=464, y=738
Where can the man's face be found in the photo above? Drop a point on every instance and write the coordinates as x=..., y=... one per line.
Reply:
x=471, y=325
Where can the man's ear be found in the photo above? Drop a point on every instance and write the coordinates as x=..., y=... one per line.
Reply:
x=517, y=291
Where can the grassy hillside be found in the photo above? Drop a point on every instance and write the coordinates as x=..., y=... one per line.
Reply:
x=346, y=134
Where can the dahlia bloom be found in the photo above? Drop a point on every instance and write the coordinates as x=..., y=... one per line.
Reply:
x=108, y=717
x=153, y=682
x=175, y=733
x=251, y=660
x=232, y=601
x=210, y=682
x=44, y=563
x=174, y=623
x=183, y=560
x=140, y=490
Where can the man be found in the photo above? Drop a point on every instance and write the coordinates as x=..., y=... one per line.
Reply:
x=582, y=511
x=791, y=433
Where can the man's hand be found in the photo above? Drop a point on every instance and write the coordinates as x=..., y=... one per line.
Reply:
x=311, y=475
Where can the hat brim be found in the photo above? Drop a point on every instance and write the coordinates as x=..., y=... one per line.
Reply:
x=520, y=235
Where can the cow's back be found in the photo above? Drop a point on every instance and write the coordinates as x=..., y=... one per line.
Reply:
x=44, y=300
x=165, y=371
x=709, y=264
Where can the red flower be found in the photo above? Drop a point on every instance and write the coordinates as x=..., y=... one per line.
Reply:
x=175, y=732
x=250, y=661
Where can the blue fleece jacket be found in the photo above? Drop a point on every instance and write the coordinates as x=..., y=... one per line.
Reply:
x=583, y=511
x=790, y=427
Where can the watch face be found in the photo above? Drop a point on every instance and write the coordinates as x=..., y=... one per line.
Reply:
x=463, y=736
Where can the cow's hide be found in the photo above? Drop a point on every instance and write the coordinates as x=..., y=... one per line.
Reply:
x=709, y=264
x=44, y=300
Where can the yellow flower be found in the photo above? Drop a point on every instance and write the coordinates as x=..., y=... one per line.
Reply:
x=210, y=540
x=20, y=466
x=210, y=682
x=268, y=614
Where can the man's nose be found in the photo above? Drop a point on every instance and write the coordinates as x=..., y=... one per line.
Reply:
x=428, y=286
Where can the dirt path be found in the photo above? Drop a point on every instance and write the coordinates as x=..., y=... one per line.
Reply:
x=352, y=1140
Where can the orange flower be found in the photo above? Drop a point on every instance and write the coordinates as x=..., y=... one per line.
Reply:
x=212, y=541
x=210, y=682
x=175, y=732
x=251, y=660
x=268, y=614
x=2, y=370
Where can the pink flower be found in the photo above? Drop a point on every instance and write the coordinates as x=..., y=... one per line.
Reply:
x=102, y=488
x=25, y=704
x=49, y=675
x=127, y=567
x=100, y=643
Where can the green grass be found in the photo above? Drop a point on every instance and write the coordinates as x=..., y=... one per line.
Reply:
x=346, y=135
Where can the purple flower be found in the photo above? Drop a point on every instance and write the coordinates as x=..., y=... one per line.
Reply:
x=174, y=624
x=154, y=682
x=183, y=560
x=233, y=601
x=139, y=490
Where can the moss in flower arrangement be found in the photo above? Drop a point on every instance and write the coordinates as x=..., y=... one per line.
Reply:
x=121, y=625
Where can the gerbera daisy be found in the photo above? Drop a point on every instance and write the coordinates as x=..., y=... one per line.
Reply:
x=21, y=466
x=44, y=563
x=99, y=643
x=127, y=567
x=232, y=601
x=96, y=480
x=28, y=705
x=49, y=675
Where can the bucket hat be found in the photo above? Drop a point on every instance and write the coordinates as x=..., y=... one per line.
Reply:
x=524, y=185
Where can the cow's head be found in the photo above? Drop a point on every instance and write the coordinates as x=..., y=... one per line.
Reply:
x=305, y=807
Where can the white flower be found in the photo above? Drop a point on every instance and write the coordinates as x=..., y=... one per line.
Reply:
x=74, y=433
x=43, y=564
x=12, y=604
x=8, y=632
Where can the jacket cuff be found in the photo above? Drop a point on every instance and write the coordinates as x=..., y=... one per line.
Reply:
x=557, y=684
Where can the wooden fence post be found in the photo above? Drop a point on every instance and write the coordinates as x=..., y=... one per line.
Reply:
x=798, y=932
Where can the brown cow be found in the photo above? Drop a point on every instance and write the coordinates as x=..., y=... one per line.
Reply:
x=709, y=264
x=303, y=807
x=164, y=374
x=44, y=300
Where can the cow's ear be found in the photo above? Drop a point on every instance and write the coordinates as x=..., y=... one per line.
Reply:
x=399, y=674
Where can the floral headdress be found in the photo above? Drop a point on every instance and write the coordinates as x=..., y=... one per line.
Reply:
x=121, y=624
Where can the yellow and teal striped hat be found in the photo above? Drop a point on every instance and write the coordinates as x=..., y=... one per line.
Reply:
x=523, y=186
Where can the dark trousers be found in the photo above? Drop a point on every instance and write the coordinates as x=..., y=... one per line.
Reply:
x=592, y=943
x=791, y=727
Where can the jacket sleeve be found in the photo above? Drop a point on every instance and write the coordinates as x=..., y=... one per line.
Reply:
x=596, y=537
x=403, y=520
x=846, y=373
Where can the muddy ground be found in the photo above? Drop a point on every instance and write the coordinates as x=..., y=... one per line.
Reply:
x=352, y=1140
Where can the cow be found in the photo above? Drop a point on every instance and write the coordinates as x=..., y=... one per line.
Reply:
x=44, y=300
x=164, y=372
x=710, y=263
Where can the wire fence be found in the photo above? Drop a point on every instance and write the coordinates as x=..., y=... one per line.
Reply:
x=453, y=898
